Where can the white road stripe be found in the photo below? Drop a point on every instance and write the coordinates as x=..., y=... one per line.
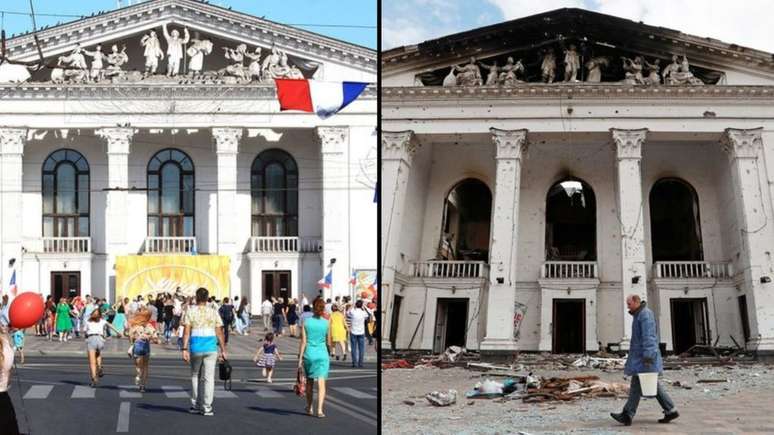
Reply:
x=123, y=417
x=82, y=392
x=175, y=392
x=337, y=404
x=221, y=393
x=38, y=392
x=125, y=392
x=268, y=393
x=354, y=393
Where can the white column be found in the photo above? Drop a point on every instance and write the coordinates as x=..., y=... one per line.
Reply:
x=628, y=145
x=744, y=148
x=510, y=146
x=398, y=149
x=333, y=149
x=116, y=201
x=12, y=141
x=226, y=148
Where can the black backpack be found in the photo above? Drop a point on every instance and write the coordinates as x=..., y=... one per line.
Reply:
x=227, y=314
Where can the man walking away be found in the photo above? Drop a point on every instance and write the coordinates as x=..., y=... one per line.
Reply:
x=357, y=334
x=644, y=357
x=226, y=312
x=201, y=339
x=266, y=307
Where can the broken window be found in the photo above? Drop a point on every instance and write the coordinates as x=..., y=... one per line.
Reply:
x=466, y=220
x=675, y=229
x=571, y=221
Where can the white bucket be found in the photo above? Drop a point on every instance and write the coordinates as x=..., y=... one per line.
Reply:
x=648, y=384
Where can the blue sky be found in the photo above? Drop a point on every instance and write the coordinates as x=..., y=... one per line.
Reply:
x=745, y=23
x=338, y=12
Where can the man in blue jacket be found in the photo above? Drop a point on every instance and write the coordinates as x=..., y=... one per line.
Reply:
x=644, y=357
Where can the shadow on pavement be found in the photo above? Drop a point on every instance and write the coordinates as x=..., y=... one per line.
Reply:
x=276, y=411
x=150, y=407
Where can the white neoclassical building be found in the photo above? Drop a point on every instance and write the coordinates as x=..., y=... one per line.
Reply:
x=155, y=130
x=537, y=171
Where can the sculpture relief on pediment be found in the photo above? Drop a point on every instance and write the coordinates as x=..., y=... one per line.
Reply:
x=570, y=62
x=172, y=54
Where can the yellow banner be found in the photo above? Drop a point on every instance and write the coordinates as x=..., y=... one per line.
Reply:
x=152, y=274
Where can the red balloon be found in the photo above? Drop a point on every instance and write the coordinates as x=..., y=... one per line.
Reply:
x=25, y=310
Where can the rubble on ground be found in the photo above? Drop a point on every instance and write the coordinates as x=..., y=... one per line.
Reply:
x=442, y=398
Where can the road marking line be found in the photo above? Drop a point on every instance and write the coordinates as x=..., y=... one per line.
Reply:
x=123, y=417
x=82, y=392
x=175, y=392
x=125, y=392
x=268, y=393
x=221, y=393
x=338, y=405
x=374, y=389
x=354, y=393
x=38, y=392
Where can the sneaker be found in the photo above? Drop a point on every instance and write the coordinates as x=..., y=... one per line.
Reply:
x=208, y=413
x=622, y=418
x=669, y=417
x=194, y=410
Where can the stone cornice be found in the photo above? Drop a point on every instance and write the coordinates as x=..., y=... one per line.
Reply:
x=511, y=144
x=12, y=140
x=141, y=91
x=628, y=143
x=236, y=23
x=537, y=91
x=741, y=143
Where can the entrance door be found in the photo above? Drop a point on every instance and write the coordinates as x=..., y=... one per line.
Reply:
x=451, y=323
x=690, y=324
x=394, y=320
x=745, y=319
x=65, y=284
x=569, y=326
x=276, y=284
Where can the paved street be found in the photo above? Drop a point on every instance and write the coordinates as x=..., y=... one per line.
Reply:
x=51, y=396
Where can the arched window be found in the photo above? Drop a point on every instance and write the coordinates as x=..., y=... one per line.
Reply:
x=571, y=221
x=65, y=194
x=274, y=191
x=170, y=194
x=467, y=216
x=675, y=229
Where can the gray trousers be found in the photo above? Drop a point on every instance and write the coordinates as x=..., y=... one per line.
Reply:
x=203, y=379
x=635, y=392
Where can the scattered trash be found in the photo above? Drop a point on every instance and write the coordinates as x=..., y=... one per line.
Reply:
x=439, y=398
x=602, y=363
x=711, y=381
x=398, y=364
x=409, y=402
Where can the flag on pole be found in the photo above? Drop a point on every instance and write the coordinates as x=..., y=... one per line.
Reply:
x=353, y=280
x=327, y=281
x=12, y=284
x=323, y=98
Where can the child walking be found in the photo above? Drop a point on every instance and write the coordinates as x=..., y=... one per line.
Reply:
x=270, y=352
x=18, y=344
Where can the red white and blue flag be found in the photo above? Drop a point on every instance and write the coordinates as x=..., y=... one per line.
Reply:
x=12, y=284
x=323, y=98
x=353, y=280
x=327, y=281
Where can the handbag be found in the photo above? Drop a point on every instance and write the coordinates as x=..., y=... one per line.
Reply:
x=224, y=373
x=300, y=386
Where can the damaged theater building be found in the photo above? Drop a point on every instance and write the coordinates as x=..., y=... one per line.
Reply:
x=537, y=171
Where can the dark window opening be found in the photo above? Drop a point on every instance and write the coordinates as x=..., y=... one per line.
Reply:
x=466, y=222
x=571, y=222
x=674, y=221
x=66, y=196
x=171, y=194
x=274, y=193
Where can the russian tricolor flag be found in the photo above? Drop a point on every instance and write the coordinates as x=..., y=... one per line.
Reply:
x=12, y=285
x=326, y=282
x=323, y=98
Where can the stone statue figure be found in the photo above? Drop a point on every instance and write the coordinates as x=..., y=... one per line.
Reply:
x=270, y=61
x=594, y=67
x=571, y=64
x=196, y=52
x=97, y=56
x=115, y=61
x=469, y=74
x=254, y=69
x=289, y=71
x=450, y=79
x=237, y=68
x=493, y=76
x=633, y=71
x=508, y=74
x=548, y=67
x=653, y=77
x=71, y=68
x=174, y=49
x=152, y=52
x=679, y=73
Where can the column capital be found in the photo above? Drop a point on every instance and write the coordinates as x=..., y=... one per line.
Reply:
x=398, y=145
x=332, y=139
x=742, y=143
x=511, y=144
x=12, y=140
x=628, y=143
x=227, y=139
x=118, y=138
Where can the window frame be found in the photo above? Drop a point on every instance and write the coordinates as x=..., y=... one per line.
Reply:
x=258, y=169
x=54, y=172
x=159, y=215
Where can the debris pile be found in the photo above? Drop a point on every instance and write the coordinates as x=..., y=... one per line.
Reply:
x=453, y=356
x=442, y=398
x=531, y=389
x=600, y=363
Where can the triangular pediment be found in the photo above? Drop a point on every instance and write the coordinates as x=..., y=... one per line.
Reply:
x=310, y=54
x=594, y=35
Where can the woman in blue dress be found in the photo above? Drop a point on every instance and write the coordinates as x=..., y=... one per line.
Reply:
x=314, y=354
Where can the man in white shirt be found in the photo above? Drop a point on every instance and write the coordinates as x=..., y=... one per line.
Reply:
x=266, y=308
x=304, y=301
x=328, y=306
x=359, y=318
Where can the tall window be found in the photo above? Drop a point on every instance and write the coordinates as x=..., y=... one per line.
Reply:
x=170, y=194
x=675, y=228
x=274, y=191
x=467, y=214
x=65, y=194
x=571, y=221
